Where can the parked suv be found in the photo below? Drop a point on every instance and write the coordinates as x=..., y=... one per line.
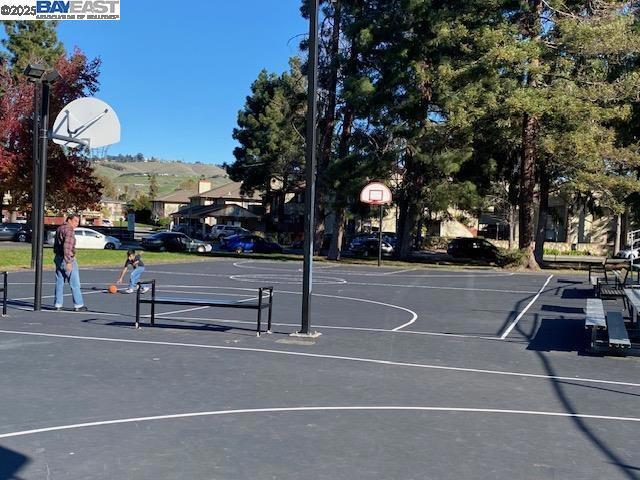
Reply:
x=477, y=248
x=15, y=232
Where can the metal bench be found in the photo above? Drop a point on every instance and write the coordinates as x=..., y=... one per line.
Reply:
x=154, y=300
x=594, y=319
x=618, y=337
x=633, y=302
x=4, y=293
x=613, y=288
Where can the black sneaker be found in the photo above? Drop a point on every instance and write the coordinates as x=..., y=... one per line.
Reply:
x=80, y=309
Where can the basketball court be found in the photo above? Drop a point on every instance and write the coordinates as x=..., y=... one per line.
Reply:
x=418, y=373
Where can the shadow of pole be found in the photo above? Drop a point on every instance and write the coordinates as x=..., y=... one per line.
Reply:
x=629, y=471
x=10, y=463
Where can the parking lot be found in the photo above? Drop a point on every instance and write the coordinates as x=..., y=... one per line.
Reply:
x=415, y=369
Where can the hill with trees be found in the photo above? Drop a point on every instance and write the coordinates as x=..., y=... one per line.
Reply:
x=127, y=176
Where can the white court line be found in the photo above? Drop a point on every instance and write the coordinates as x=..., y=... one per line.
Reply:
x=414, y=315
x=433, y=287
x=64, y=295
x=462, y=274
x=399, y=271
x=177, y=311
x=336, y=327
x=521, y=314
x=362, y=408
x=342, y=281
x=330, y=357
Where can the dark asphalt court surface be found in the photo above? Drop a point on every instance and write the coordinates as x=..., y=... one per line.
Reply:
x=418, y=374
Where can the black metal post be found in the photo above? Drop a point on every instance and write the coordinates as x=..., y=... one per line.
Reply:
x=35, y=223
x=310, y=187
x=137, y=324
x=380, y=238
x=153, y=302
x=4, y=294
x=259, y=329
x=42, y=179
x=270, y=309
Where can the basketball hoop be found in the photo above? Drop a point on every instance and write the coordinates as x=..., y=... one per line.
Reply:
x=86, y=122
x=376, y=193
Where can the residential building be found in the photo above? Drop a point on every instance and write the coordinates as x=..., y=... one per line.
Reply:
x=227, y=205
x=167, y=205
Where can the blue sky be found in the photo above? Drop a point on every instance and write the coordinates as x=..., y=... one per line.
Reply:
x=178, y=72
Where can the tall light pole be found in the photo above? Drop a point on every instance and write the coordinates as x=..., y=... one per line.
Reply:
x=310, y=187
x=34, y=74
x=45, y=79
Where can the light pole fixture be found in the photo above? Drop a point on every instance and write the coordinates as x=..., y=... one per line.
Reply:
x=35, y=71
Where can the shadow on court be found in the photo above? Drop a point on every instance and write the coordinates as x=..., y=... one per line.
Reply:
x=11, y=463
x=559, y=335
x=174, y=324
x=547, y=335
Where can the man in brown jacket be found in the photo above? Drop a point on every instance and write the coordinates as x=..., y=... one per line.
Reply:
x=64, y=249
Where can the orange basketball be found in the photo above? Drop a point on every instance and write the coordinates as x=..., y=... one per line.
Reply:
x=113, y=289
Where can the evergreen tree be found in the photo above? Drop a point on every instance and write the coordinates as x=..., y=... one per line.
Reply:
x=271, y=131
x=153, y=186
x=32, y=42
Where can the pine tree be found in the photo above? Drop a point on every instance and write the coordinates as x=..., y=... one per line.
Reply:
x=271, y=131
x=32, y=42
x=153, y=186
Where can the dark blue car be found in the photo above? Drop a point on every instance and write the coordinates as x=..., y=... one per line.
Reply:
x=248, y=243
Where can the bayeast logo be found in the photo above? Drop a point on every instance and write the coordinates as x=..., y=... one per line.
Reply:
x=79, y=9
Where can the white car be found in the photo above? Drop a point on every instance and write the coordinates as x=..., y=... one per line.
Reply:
x=628, y=253
x=87, y=238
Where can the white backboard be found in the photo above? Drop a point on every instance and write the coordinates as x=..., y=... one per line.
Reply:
x=86, y=121
x=376, y=193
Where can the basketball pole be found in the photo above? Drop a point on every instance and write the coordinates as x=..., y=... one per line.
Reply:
x=380, y=238
x=310, y=187
x=35, y=225
x=42, y=193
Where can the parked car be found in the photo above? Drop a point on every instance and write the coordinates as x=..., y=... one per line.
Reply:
x=249, y=243
x=368, y=247
x=174, y=242
x=219, y=231
x=88, y=238
x=106, y=222
x=390, y=237
x=476, y=248
x=15, y=232
x=628, y=253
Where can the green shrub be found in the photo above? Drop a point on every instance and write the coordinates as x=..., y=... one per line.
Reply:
x=510, y=258
x=556, y=251
x=164, y=222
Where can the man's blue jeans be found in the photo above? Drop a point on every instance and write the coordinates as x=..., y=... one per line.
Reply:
x=74, y=282
x=136, y=273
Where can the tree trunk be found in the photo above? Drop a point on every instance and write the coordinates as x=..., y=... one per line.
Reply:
x=532, y=30
x=542, y=216
x=338, y=233
x=527, y=192
x=616, y=245
x=327, y=127
x=340, y=201
x=408, y=219
x=513, y=219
